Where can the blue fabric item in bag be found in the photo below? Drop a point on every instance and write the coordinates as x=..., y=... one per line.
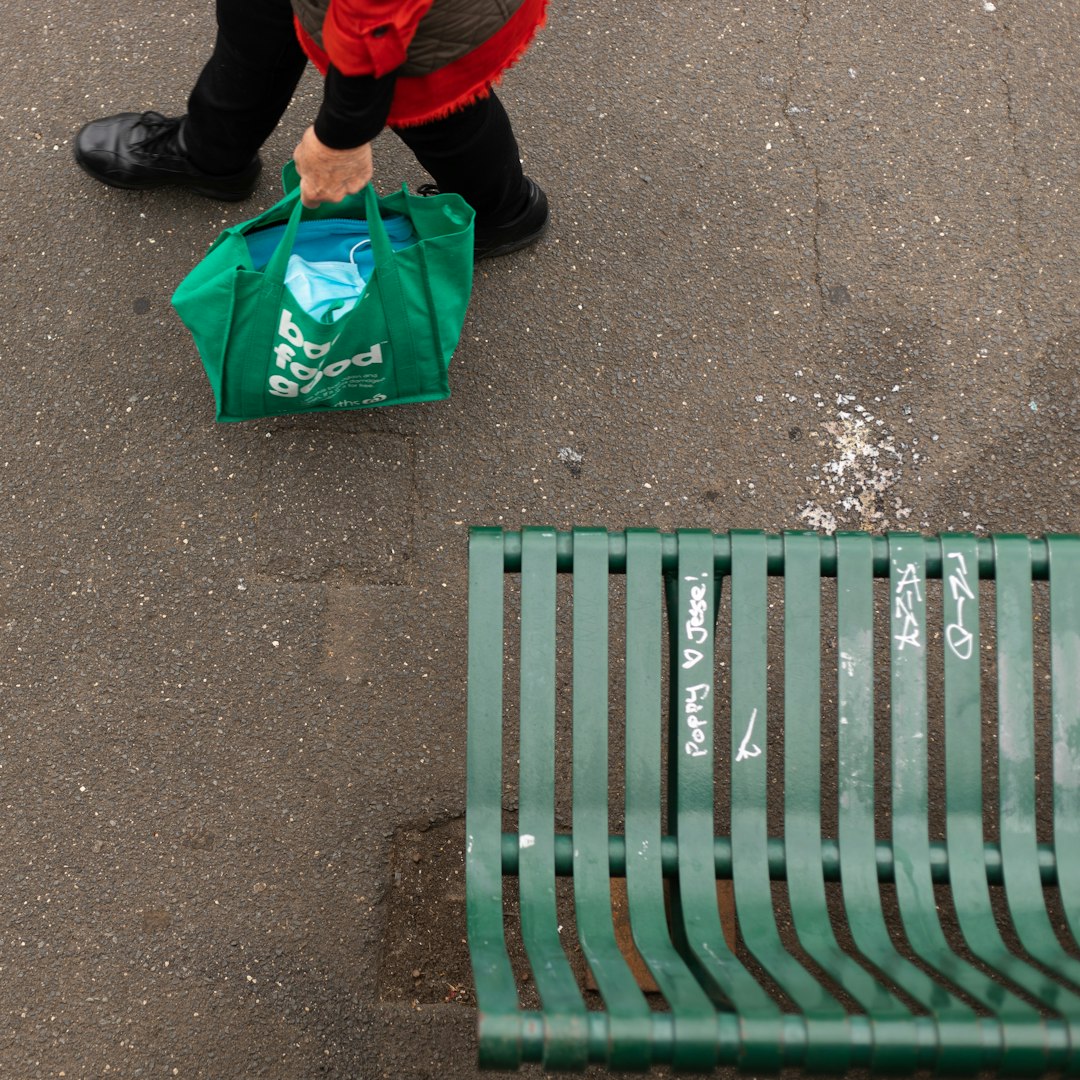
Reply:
x=328, y=240
x=331, y=260
x=325, y=290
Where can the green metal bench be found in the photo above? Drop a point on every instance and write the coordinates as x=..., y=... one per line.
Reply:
x=920, y=933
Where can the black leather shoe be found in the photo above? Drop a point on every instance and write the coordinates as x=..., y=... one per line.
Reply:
x=146, y=150
x=525, y=228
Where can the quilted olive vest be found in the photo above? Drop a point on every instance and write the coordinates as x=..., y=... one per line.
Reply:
x=449, y=30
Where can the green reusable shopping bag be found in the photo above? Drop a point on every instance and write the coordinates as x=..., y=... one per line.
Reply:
x=266, y=356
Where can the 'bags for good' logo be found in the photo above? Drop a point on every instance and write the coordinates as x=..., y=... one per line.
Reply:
x=291, y=353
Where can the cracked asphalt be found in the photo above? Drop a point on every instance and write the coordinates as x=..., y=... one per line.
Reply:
x=811, y=264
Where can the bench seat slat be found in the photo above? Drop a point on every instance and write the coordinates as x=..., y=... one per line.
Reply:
x=564, y=1007
x=693, y=1015
x=626, y=1007
x=908, y=645
x=1065, y=711
x=856, y=826
x=803, y=847
x=1016, y=759
x=1064, y=562
x=961, y=646
x=746, y=770
x=692, y=761
x=496, y=988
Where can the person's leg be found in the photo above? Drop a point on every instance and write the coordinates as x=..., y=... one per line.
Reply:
x=246, y=85
x=237, y=101
x=473, y=153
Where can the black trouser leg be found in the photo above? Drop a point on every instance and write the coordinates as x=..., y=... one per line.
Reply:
x=473, y=153
x=246, y=85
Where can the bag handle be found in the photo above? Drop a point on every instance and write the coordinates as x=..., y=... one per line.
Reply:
x=399, y=328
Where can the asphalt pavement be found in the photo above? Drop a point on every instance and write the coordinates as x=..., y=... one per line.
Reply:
x=811, y=265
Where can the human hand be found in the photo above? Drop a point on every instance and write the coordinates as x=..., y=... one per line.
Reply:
x=328, y=175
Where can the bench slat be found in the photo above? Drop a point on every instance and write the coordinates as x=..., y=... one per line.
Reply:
x=564, y=1008
x=1064, y=559
x=627, y=1010
x=856, y=824
x=803, y=846
x=1016, y=758
x=962, y=647
x=496, y=989
x=1065, y=714
x=691, y=597
x=746, y=771
x=908, y=646
x=694, y=1017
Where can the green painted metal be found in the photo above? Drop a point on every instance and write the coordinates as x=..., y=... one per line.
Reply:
x=774, y=547
x=1065, y=710
x=962, y=647
x=496, y=989
x=626, y=1009
x=908, y=643
x=923, y=999
x=777, y=859
x=691, y=618
x=824, y=1018
x=565, y=1043
x=803, y=847
x=694, y=1020
x=1016, y=759
x=856, y=822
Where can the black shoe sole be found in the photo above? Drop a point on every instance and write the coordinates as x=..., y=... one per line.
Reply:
x=192, y=185
x=511, y=245
x=516, y=240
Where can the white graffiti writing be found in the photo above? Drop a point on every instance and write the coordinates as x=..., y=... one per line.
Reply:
x=746, y=748
x=697, y=631
x=907, y=595
x=961, y=640
x=695, y=745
